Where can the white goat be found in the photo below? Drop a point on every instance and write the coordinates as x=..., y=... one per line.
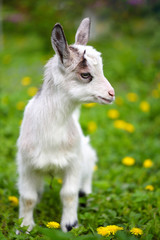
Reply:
x=51, y=139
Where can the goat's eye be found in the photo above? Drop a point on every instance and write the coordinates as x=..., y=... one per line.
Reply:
x=87, y=76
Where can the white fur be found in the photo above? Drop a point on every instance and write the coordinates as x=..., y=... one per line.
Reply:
x=51, y=139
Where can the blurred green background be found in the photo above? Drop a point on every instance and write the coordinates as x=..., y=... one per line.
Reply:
x=127, y=32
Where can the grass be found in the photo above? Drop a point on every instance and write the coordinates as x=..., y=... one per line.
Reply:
x=131, y=63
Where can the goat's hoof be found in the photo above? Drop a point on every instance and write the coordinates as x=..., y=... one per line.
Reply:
x=18, y=232
x=70, y=226
x=30, y=227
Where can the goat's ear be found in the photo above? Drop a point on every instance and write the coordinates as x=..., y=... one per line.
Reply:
x=82, y=34
x=59, y=43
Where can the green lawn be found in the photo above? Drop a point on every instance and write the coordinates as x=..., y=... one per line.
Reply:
x=131, y=56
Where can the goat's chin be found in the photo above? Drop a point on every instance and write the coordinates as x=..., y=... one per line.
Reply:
x=102, y=100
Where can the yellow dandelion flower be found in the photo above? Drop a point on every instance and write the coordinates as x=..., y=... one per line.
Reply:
x=149, y=188
x=132, y=97
x=14, y=200
x=53, y=225
x=113, y=113
x=89, y=105
x=124, y=125
x=119, y=124
x=147, y=163
x=136, y=231
x=129, y=127
x=95, y=168
x=26, y=81
x=113, y=228
x=92, y=126
x=108, y=230
x=59, y=180
x=32, y=91
x=119, y=101
x=20, y=105
x=144, y=106
x=128, y=161
x=103, y=231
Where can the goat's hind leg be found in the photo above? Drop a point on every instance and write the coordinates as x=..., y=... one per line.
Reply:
x=30, y=185
x=69, y=198
x=89, y=159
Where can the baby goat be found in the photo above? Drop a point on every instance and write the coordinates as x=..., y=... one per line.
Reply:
x=51, y=139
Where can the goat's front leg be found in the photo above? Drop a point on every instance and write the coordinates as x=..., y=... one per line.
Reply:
x=69, y=198
x=30, y=185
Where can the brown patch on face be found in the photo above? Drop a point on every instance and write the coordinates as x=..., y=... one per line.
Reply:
x=83, y=63
x=74, y=50
x=82, y=66
x=74, y=54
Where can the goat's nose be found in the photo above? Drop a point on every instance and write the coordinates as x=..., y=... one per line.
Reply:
x=111, y=92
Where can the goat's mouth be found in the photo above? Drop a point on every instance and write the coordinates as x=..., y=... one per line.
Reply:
x=105, y=100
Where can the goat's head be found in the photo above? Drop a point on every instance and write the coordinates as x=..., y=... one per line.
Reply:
x=81, y=67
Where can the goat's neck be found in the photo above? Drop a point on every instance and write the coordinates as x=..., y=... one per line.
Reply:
x=56, y=99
